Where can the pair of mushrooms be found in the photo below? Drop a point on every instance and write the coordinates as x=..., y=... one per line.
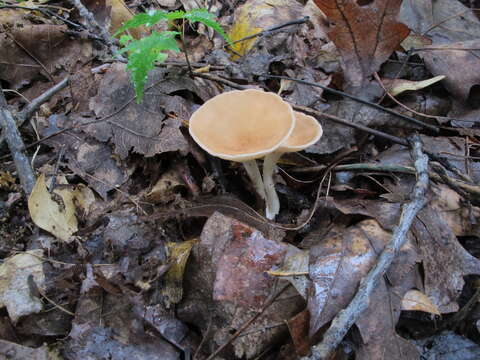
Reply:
x=245, y=125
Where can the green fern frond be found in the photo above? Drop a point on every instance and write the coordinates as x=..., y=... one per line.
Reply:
x=143, y=53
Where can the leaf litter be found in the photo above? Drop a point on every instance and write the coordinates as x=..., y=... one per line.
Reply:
x=142, y=244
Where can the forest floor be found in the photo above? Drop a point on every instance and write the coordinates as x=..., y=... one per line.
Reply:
x=122, y=238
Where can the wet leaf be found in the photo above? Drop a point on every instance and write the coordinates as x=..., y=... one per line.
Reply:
x=57, y=216
x=365, y=33
x=241, y=274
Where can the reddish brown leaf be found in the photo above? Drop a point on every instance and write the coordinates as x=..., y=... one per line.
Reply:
x=241, y=274
x=365, y=32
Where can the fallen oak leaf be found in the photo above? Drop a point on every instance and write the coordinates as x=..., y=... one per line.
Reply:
x=365, y=33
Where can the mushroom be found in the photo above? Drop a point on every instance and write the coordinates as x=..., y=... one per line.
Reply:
x=307, y=132
x=242, y=126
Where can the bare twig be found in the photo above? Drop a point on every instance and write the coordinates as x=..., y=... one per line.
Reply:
x=310, y=111
x=95, y=27
x=319, y=114
x=357, y=99
x=15, y=144
x=35, y=104
x=347, y=317
x=270, y=30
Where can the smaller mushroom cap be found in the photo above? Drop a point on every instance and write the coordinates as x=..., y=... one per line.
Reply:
x=242, y=125
x=307, y=131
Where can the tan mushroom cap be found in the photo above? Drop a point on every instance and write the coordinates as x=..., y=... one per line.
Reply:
x=242, y=125
x=307, y=131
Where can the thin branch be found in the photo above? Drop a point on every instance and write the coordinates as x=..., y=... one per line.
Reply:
x=35, y=104
x=271, y=29
x=15, y=144
x=95, y=27
x=310, y=111
x=347, y=317
x=357, y=99
x=319, y=114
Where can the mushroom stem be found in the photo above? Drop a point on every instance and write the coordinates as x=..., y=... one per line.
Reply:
x=252, y=170
x=273, y=203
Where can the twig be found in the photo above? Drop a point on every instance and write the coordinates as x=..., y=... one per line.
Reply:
x=248, y=322
x=358, y=167
x=347, y=317
x=35, y=104
x=307, y=110
x=50, y=77
x=271, y=29
x=15, y=144
x=319, y=114
x=43, y=11
x=387, y=93
x=355, y=98
x=95, y=27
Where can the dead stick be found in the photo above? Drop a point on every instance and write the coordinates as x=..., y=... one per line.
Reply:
x=35, y=104
x=15, y=144
x=357, y=99
x=347, y=317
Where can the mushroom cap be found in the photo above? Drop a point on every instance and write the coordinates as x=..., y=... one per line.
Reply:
x=242, y=125
x=307, y=131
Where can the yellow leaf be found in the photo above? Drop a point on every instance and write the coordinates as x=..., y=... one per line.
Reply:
x=178, y=256
x=257, y=15
x=418, y=301
x=55, y=216
x=398, y=86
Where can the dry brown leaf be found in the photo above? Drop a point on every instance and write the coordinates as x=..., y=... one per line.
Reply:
x=365, y=32
x=15, y=292
x=460, y=66
x=49, y=44
x=55, y=216
x=415, y=300
x=143, y=128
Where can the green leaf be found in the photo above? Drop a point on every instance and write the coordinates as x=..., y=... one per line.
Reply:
x=143, y=53
x=149, y=18
x=205, y=17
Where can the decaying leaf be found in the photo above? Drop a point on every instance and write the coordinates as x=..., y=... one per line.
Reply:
x=459, y=61
x=55, y=215
x=415, y=300
x=149, y=128
x=20, y=352
x=256, y=15
x=172, y=289
x=365, y=32
x=15, y=291
x=92, y=160
x=48, y=44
